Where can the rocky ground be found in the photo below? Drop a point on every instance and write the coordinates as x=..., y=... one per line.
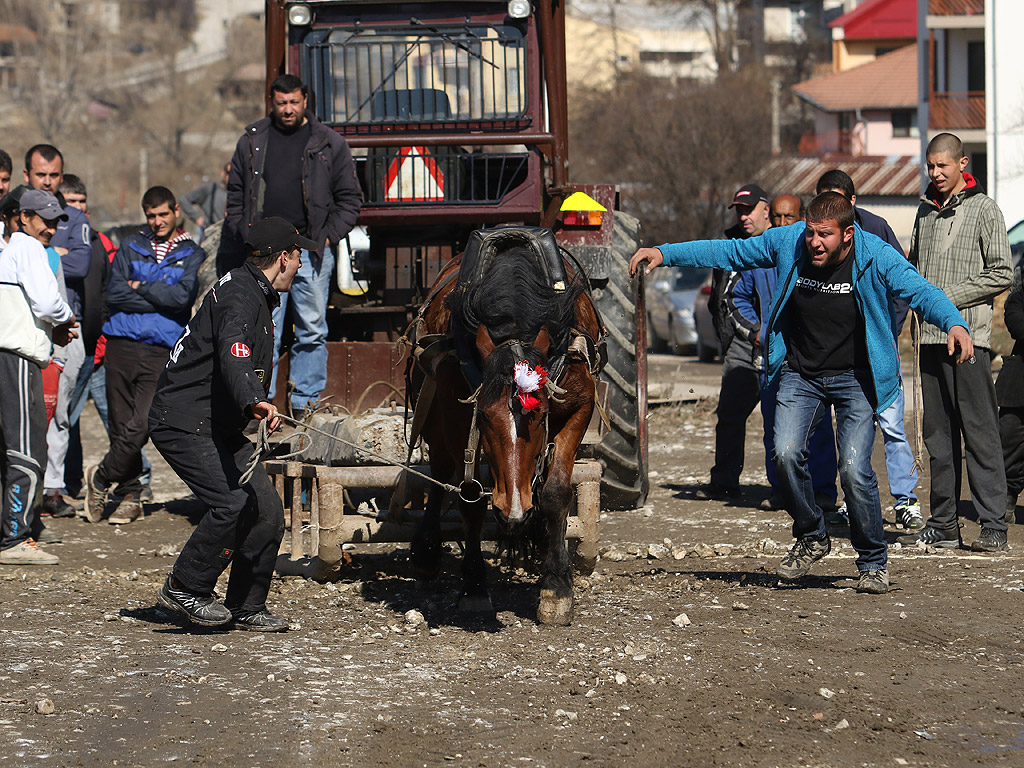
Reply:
x=684, y=651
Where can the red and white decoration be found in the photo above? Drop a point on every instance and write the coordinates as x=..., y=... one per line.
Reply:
x=238, y=349
x=528, y=380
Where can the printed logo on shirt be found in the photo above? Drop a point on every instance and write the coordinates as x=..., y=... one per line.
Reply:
x=819, y=286
x=238, y=349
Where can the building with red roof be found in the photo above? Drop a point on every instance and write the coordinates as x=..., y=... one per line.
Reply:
x=872, y=29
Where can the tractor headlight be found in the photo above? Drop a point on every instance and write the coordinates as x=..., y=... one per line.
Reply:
x=300, y=15
x=519, y=9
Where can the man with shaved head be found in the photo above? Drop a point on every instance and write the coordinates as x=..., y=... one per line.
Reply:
x=786, y=210
x=960, y=245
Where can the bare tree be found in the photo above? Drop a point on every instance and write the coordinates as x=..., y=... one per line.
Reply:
x=679, y=152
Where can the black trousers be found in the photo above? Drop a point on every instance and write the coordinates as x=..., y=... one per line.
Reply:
x=133, y=369
x=1011, y=436
x=960, y=402
x=740, y=394
x=243, y=526
x=23, y=444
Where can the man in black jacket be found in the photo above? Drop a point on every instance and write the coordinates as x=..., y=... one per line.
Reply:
x=741, y=388
x=291, y=165
x=214, y=383
x=1010, y=397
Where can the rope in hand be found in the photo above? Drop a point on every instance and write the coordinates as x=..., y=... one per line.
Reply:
x=263, y=448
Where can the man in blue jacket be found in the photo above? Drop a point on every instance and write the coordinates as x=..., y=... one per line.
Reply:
x=153, y=283
x=830, y=343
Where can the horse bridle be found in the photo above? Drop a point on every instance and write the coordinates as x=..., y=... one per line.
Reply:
x=471, y=489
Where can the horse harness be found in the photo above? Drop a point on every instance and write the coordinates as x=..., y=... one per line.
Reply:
x=430, y=350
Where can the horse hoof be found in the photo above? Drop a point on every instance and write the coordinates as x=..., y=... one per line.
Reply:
x=426, y=561
x=476, y=605
x=554, y=610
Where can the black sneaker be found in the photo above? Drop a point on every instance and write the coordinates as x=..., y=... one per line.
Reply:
x=200, y=609
x=803, y=554
x=874, y=582
x=990, y=540
x=715, y=492
x=260, y=621
x=54, y=506
x=933, y=537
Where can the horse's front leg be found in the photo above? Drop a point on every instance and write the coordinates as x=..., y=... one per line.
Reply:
x=556, y=595
x=426, y=541
x=475, y=598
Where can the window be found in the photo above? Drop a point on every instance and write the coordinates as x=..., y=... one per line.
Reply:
x=904, y=124
x=976, y=66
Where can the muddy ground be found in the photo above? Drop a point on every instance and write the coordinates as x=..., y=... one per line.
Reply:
x=755, y=675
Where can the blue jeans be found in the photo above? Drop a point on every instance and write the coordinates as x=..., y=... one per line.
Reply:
x=307, y=360
x=899, y=458
x=802, y=404
x=821, y=460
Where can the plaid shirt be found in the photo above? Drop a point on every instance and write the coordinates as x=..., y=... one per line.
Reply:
x=962, y=248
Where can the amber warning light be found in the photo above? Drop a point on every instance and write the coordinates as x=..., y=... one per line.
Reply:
x=581, y=210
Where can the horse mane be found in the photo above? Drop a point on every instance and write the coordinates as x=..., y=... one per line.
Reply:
x=513, y=301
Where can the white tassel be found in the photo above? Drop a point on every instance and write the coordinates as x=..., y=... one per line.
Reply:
x=525, y=377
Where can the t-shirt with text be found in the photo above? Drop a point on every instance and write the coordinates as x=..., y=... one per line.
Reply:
x=826, y=331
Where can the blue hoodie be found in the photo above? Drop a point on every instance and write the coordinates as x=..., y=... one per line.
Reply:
x=879, y=269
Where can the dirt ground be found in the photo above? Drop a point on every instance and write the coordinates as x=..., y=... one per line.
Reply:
x=753, y=675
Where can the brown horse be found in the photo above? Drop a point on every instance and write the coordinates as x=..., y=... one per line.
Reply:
x=503, y=334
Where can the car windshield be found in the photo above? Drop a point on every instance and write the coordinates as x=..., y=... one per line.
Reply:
x=688, y=279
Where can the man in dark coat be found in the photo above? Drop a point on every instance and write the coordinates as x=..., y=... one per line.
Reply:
x=214, y=384
x=291, y=165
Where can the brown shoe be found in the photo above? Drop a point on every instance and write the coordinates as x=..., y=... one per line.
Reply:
x=95, y=496
x=128, y=511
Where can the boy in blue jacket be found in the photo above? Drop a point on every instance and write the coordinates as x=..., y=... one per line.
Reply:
x=830, y=343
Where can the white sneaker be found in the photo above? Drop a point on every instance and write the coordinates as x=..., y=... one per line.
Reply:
x=27, y=553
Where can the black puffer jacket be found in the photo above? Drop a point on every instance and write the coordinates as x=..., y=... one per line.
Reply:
x=331, y=193
x=221, y=364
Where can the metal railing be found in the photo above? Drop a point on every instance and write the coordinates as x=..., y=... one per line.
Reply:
x=957, y=110
x=421, y=74
x=956, y=7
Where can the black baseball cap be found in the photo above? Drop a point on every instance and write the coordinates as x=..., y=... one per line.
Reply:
x=749, y=194
x=274, y=234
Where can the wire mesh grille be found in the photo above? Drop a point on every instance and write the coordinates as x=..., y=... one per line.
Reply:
x=424, y=74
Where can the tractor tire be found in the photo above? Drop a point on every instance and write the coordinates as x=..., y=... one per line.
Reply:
x=623, y=449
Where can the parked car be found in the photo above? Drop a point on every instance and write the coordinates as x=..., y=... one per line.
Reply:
x=708, y=345
x=670, y=303
x=1016, y=235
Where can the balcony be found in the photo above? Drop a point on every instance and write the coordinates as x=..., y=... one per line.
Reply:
x=842, y=142
x=955, y=14
x=953, y=111
x=956, y=7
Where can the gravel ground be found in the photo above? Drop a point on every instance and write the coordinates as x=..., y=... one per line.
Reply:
x=683, y=652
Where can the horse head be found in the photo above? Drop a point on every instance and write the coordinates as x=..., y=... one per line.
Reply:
x=512, y=415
